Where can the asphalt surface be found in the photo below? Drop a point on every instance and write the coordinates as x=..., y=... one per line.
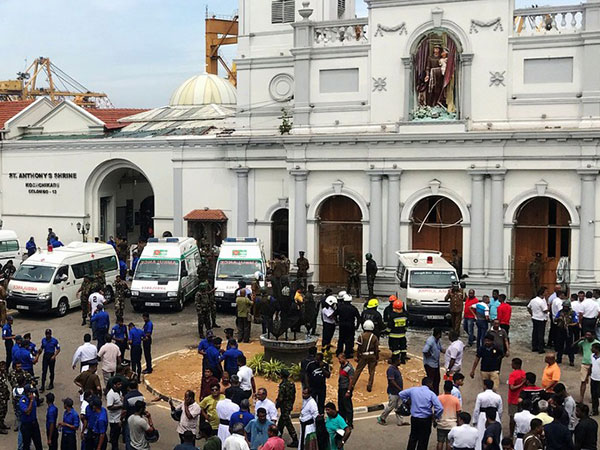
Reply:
x=174, y=331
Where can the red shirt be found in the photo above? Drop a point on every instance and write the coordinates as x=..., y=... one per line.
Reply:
x=515, y=377
x=468, y=302
x=504, y=313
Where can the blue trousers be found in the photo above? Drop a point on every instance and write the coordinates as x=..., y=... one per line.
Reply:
x=482, y=328
x=468, y=326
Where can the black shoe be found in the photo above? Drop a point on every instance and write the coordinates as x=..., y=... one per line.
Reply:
x=216, y=326
x=83, y=323
x=146, y=371
x=43, y=389
x=3, y=431
x=50, y=386
x=293, y=444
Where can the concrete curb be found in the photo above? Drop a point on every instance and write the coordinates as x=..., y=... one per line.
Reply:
x=295, y=415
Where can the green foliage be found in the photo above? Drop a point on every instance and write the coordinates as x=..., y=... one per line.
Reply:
x=328, y=357
x=257, y=363
x=295, y=372
x=271, y=369
x=286, y=122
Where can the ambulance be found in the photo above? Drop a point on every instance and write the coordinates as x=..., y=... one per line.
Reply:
x=424, y=278
x=48, y=281
x=239, y=260
x=166, y=274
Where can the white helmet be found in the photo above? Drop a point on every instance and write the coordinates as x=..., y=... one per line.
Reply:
x=341, y=295
x=257, y=275
x=368, y=325
x=331, y=300
x=347, y=298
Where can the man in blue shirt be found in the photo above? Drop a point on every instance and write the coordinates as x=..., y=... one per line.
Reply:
x=97, y=430
x=31, y=246
x=424, y=407
x=23, y=355
x=243, y=416
x=119, y=335
x=481, y=311
x=100, y=323
x=204, y=345
x=51, y=422
x=69, y=426
x=30, y=429
x=135, y=343
x=494, y=303
x=8, y=338
x=213, y=358
x=431, y=358
x=147, y=342
x=122, y=269
x=230, y=356
x=257, y=429
x=50, y=348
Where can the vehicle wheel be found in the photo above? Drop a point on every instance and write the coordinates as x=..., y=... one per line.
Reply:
x=137, y=307
x=62, y=308
x=109, y=294
x=179, y=305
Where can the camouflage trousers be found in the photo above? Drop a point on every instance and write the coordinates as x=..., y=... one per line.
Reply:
x=85, y=309
x=3, y=409
x=285, y=421
x=204, y=321
x=119, y=307
x=213, y=313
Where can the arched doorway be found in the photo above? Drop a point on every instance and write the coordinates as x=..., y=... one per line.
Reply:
x=340, y=238
x=541, y=226
x=126, y=201
x=280, y=233
x=437, y=225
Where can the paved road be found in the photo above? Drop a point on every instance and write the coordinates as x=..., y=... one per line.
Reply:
x=174, y=331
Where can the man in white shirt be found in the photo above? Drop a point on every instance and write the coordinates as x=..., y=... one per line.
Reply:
x=114, y=407
x=246, y=376
x=190, y=410
x=110, y=356
x=263, y=402
x=86, y=353
x=538, y=309
x=225, y=408
x=588, y=313
x=95, y=299
x=522, y=423
x=237, y=440
x=454, y=354
x=308, y=415
x=553, y=301
x=463, y=435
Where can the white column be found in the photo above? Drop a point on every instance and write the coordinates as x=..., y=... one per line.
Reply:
x=587, y=216
x=300, y=177
x=477, y=225
x=242, y=202
x=376, y=218
x=496, y=268
x=393, y=220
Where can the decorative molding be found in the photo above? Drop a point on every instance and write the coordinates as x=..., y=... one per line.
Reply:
x=434, y=185
x=541, y=187
x=497, y=78
x=379, y=84
x=281, y=87
x=398, y=28
x=337, y=186
x=496, y=23
x=437, y=15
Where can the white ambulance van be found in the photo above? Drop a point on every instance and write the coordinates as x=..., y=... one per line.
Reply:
x=166, y=274
x=239, y=260
x=424, y=278
x=49, y=281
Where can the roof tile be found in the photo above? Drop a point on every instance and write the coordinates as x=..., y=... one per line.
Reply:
x=8, y=110
x=110, y=116
x=208, y=215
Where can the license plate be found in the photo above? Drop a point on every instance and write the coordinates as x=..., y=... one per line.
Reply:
x=152, y=304
x=22, y=307
x=234, y=304
x=436, y=317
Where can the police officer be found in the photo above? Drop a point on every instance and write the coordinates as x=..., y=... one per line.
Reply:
x=285, y=402
x=119, y=335
x=50, y=348
x=396, y=324
x=303, y=266
x=4, y=397
x=348, y=318
x=121, y=293
x=9, y=339
x=147, y=342
x=371, y=313
x=455, y=295
x=202, y=301
x=30, y=428
x=213, y=308
x=368, y=355
x=84, y=294
x=353, y=268
x=371, y=273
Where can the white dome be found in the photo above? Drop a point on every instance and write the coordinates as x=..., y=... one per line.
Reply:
x=204, y=89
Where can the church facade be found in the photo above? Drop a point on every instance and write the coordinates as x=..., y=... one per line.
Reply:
x=467, y=127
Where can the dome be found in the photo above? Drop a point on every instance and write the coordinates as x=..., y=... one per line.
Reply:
x=204, y=89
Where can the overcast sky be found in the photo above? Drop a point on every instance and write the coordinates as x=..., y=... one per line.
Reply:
x=137, y=51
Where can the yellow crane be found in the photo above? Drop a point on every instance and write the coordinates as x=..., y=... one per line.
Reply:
x=25, y=87
x=220, y=31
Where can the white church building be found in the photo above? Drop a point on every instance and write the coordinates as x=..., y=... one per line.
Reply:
x=463, y=125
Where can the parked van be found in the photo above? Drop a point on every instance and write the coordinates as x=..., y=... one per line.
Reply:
x=166, y=274
x=239, y=259
x=424, y=278
x=10, y=248
x=49, y=281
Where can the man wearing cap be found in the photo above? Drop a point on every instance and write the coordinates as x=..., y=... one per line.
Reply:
x=285, y=402
x=119, y=336
x=203, y=346
x=135, y=343
x=396, y=324
x=84, y=296
x=353, y=268
x=455, y=296
x=202, y=302
x=348, y=318
x=371, y=273
x=303, y=266
x=69, y=426
x=371, y=313
x=148, y=329
x=8, y=338
x=23, y=355
x=100, y=324
x=328, y=315
x=50, y=348
x=88, y=380
x=368, y=355
x=30, y=429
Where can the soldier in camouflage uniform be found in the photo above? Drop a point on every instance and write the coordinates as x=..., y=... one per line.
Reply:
x=99, y=281
x=285, y=402
x=84, y=294
x=353, y=268
x=121, y=290
x=202, y=301
x=4, y=397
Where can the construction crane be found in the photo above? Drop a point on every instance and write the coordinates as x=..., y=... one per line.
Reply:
x=220, y=31
x=60, y=86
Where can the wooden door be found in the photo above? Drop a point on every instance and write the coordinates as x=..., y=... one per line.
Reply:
x=542, y=227
x=340, y=238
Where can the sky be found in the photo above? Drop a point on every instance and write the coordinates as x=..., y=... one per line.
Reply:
x=137, y=51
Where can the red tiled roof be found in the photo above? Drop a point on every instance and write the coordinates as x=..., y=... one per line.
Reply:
x=110, y=116
x=8, y=110
x=206, y=215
